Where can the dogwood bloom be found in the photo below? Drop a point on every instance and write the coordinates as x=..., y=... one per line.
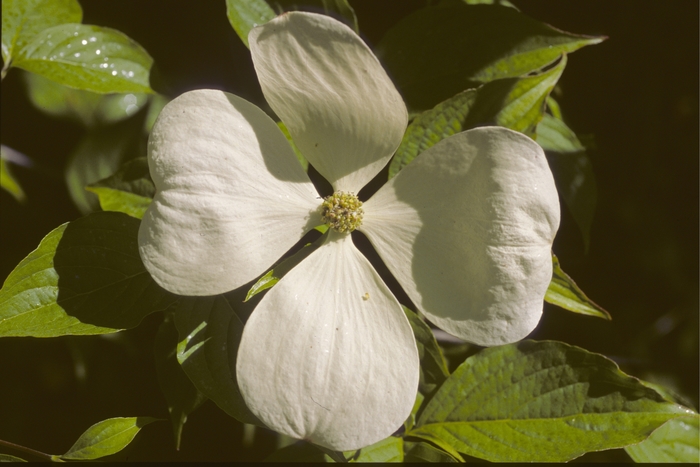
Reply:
x=328, y=354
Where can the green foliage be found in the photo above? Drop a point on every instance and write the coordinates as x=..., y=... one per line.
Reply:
x=86, y=277
x=678, y=440
x=433, y=368
x=424, y=452
x=469, y=45
x=181, y=395
x=106, y=437
x=244, y=15
x=210, y=330
x=9, y=458
x=302, y=160
x=515, y=103
x=22, y=20
x=8, y=182
x=564, y=293
x=540, y=401
x=130, y=190
x=572, y=169
x=87, y=57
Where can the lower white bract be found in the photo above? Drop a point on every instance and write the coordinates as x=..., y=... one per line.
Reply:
x=328, y=354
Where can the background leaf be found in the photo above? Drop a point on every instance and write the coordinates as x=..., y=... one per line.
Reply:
x=130, y=190
x=24, y=19
x=572, y=171
x=515, y=103
x=437, y=52
x=564, y=292
x=8, y=182
x=210, y=330
x=541, y=401
x=244, y=15
x=88, y=57
x=300, y=451
x=424, y=452
x=106, y=437
x=433, y=368
x=181, y=395
x=86, y=277
x=677, y=440
x=387, y=450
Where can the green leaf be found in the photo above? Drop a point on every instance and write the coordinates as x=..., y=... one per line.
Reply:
x=24, y=19
x=387, y=450
x=433, y=368
x=210, y=330
x=89, y=108
x=106, y=437
x=244, y=15
x=505, y=3
x=88, y=57
x=678, y=440
x=9, y=458
x=302, y=160
x=7, y=181
x=564, y=293
x=572, y=171
x=437, y=52
x=543, y=402
x=99, y=155
x=342, y=8
x=181, y=395
x=515, y=103
x=278, y=271
x=130, y=190
x=424, y=452
x=86, y=277
x=300, y=451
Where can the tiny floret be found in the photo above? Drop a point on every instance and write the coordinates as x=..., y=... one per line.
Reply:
x=342, y=211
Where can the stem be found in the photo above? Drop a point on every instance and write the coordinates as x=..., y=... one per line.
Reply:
x=31, y=451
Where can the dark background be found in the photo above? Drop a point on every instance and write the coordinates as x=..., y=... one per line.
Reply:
x=635, y=96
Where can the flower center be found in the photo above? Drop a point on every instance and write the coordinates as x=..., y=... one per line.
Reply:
x=342, y=211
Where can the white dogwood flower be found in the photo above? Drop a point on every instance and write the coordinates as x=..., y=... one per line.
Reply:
x=328, y=354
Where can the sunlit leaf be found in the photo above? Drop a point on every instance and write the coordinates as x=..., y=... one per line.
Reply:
x=515, y=103
x=564, y=293
x=244, y=15
x=540, y=401
x=387, y=450
x=572, y=171
x=9, y=458
x=210, y=330
x=678, y=440
x=86, y=277
x=437, y=52
x=24, y=19
x=181, y=395
x=98, y=156
x=106, y=437
x=130, y=190
x=8, y=182
x=88, y=57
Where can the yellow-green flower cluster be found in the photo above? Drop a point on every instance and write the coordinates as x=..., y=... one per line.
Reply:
x=342, y=211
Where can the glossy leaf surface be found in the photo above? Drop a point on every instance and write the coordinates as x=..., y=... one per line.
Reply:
x=244, y=15
x=564, y=293
x=677, y=441
x=130, y=190
x=106, y=437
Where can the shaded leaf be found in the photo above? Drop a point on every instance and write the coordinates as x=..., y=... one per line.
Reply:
x=515, y=103
x=91, y=58
x=130, y=190
x=572, y=171
x=437, y=52
x=24, y=19
x=343, y=9
x=9, y=458
x=89, y=108
x=244, y=15
x=540, y=401
x=564, y=293
x=302, y=160
x=433, y=368
x=210, y=330
x=678, y=440
x=106, y=437
x=278, y=271
x=8, y=182
x=99, y=155
x=86, y=277
x=424, y=452
x=181, y=395
x=300, y=451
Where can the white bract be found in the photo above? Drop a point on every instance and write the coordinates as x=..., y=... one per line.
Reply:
x=328, y=354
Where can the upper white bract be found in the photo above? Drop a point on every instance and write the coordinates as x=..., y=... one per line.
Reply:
x=328, y=355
